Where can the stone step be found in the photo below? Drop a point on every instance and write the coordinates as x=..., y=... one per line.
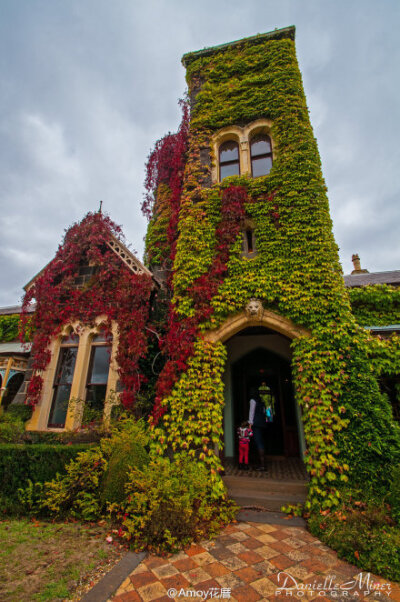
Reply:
x=265, y=485
x=265, y=493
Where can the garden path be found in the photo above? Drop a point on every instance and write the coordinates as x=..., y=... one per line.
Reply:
x=250, y=561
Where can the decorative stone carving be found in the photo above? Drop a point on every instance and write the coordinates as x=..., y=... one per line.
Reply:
x=254, y=308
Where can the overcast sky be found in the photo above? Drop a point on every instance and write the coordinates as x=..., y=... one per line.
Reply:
x=88, y=86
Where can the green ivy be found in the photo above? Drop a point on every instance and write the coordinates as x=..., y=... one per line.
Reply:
x=296, y=273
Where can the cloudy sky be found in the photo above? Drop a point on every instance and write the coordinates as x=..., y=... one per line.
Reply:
x=88, y=86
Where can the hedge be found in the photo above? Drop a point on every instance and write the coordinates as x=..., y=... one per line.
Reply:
x=39, y=462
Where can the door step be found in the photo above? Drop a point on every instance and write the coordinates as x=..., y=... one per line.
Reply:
x=265, y=493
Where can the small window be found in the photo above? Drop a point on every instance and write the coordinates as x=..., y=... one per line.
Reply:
x=261, y=156
x=97, y=378
x=63, y=381
x=229, y=164
x=249, y=246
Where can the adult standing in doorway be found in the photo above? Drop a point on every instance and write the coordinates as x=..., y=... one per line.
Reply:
x=258, y=424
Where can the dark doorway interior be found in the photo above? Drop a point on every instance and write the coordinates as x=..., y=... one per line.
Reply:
x=258, y=366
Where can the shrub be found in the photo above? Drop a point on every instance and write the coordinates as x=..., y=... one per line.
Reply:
x=94, y=476
x=126, y=450
x=77, y=492
x=21, y=463
x=12, y=423
x=169, y=504
x=362, y=533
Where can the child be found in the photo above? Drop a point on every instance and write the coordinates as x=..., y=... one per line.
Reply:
x=244, y=433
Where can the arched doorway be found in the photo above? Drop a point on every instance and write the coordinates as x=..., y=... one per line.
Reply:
x=257, y=355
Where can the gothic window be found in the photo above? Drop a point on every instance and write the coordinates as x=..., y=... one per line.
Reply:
x=261, y=155
x=229, y=163
x=63, y=381
x=97, y=377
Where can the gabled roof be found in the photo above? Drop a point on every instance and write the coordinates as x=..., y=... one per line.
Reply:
x=121, y=250
x=364, y=279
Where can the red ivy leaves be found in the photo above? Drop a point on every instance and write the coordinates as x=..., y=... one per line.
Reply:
x=114, y=292
x=181, y=334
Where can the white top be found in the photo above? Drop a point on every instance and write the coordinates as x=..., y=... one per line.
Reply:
x=252, y=410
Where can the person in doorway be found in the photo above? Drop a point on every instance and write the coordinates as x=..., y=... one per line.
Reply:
x=268, y=399
x=257, y=422
x=244, y=433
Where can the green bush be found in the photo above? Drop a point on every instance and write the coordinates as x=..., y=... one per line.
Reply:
x=170, y=504
x=12, y=423
x=21, y=463
x=95, y=477
x=362, y=533
x=125, y=451
x=77, y=492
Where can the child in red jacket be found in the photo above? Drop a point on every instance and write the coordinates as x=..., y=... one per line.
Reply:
x=244, y=433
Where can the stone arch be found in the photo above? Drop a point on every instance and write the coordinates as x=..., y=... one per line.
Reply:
x=255, y=315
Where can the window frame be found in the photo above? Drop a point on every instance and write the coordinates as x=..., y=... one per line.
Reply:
x=57, y=378
x=229, y=162
x=269, y=155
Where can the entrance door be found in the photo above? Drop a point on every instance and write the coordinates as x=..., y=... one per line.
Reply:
x=249, y=373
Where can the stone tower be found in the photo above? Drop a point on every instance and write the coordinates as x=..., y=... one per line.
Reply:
x=258, y=297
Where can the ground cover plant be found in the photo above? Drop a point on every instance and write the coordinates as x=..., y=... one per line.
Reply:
x=42, y=561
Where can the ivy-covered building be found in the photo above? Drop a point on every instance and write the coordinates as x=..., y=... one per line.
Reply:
x=243, y=288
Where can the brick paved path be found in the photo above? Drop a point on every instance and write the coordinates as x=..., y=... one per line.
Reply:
x=246, y=559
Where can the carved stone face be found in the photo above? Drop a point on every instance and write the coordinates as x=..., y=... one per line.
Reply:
x=254, y=308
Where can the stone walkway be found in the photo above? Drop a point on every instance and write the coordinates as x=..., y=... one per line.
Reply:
x=250, y=561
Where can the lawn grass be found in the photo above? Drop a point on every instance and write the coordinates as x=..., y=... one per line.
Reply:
x=42, y=561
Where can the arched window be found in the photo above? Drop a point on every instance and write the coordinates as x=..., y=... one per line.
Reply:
x=261, y=155
x=229, y=164
x=63, y=380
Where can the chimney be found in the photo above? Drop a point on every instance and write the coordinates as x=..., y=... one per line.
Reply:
x=357, y=265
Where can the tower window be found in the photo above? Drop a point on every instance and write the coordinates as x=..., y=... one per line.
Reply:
x=229, y=164
x=261, y=156
x=249, y=246
x=63, y=381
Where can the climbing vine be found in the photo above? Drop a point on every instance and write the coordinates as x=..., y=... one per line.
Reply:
x=63, y=296
x=295, y=273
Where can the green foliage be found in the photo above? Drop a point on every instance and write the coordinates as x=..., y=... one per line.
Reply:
x=126, y=451
x=170, y=504
x=22, y=463
x=350, y=435
x=377, y=305
x=77, y=492
x=9, y=328
x=362, y=533
x=12, y=423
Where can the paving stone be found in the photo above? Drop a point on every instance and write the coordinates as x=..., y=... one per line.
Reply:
x=264, y=586
x=282, y=562
x=233, y=563
x=265, y=538
x=267, y=552
x=246, y=593
x=141, y=579
x=185, y=564
x=229, y=580
x=248, y=574
x=197, y=575
x=165, y=570
x=195, y=549
x=216, y=569
x=152, y=591
x=251, y=543
x=250, y=557
x=236, y=548
x=203, y=559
